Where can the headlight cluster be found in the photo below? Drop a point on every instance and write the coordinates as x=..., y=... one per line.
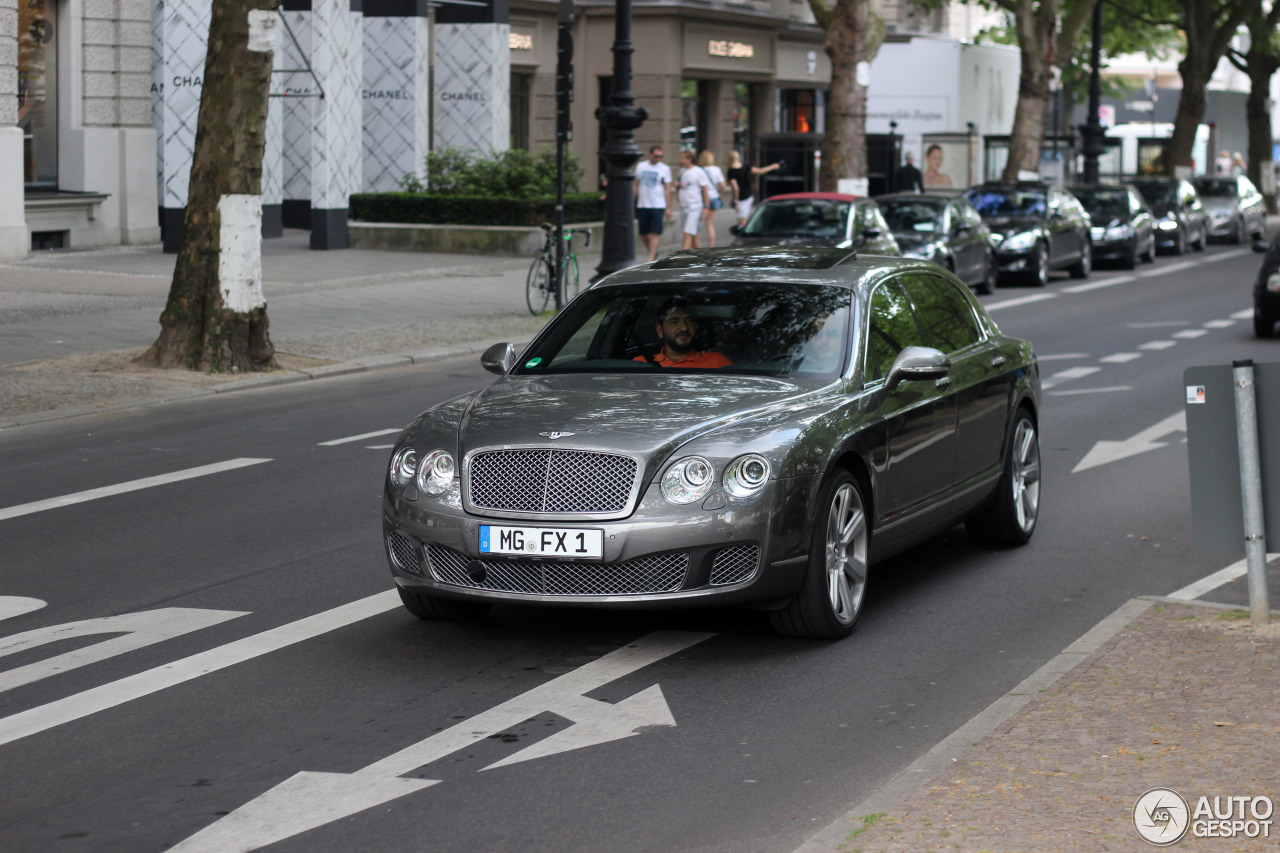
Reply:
x=691, y=478
x=1118, y=232
x=433, y=476
x=1018, y=242
x=1169, y=224
x=1273, y=282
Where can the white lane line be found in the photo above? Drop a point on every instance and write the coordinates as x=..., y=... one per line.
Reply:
x=1076, y=392
x=1190, y=334
x=1121, y=357
x=1242, y=315
x=1219, y=324
x=1185, y=265
x=39, y=719
x=1098, y=285
x=1021, y=300
x=361, y=437
x=1238, y=569
x=1158, y=345
x=1062, y=356
x=131, y=486
x=1072, y=373
x=378, y=446
x=1218, y=257
x=1158, y=324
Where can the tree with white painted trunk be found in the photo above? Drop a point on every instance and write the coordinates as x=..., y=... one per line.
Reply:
x=216, y=316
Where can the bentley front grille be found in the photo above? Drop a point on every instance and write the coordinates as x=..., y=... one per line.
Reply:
x=551, y=481
x=734, y=565
x=651, y=574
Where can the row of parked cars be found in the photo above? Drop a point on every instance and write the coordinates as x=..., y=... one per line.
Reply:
x=999, y=231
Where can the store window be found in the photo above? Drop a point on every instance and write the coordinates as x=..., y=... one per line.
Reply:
x=521, y=98
x=38, y=91
x=695, y=103
x=800, y=110
x=743, y=111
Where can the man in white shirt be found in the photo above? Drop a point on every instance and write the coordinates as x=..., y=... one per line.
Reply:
x=653, y=199
x=694, y=195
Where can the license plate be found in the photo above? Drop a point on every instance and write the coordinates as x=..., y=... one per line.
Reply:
x=542, y=541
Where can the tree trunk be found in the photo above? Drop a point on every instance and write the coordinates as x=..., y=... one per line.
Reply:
x=1031, y=114
x=1259, y=119
x=216, y=317
x=844, y=150
x=1195, y=77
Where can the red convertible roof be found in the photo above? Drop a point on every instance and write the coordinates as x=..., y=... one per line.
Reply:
x=822, y=196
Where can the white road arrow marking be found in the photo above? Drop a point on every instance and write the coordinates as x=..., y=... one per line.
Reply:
x=1113, y=451
x=309, y=800
x=16, y=605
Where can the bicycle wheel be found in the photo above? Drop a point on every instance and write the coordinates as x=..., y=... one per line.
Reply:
x=537, y=288
x=569, y=284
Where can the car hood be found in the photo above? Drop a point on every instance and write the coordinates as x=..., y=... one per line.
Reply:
x=1163, y=210
x=785, y=241
x=909, y=241
x=1219, y=204
x=1006, y=226
x=642, y=415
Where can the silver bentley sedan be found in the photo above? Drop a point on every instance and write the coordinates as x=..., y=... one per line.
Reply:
x=750, y=427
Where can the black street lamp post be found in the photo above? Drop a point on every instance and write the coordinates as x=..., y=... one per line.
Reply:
x=1091, y=130
x=620, y=117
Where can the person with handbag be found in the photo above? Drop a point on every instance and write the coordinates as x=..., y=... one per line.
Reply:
x=707, y=163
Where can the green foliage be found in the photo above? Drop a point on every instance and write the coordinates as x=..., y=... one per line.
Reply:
x=514, y=173
x=450, y=209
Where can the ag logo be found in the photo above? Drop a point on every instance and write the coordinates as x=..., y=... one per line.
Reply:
x=554, y=435
x=1161, y=816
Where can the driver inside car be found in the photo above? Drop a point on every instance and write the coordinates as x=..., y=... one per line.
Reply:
x=677, y=330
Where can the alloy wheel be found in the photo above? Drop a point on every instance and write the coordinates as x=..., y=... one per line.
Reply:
x=1026, y=475
x=846, y=554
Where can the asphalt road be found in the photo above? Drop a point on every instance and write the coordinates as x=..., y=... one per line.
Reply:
x=252, y=679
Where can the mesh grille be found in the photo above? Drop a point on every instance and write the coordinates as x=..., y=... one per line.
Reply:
x=734, y=565
x=660, y=573
x=404, y=552
x=548, y=480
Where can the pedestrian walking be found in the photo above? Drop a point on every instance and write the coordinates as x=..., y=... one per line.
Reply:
x=1237, y=164
x=1222, y=166
x=909, y=178
x=707, y=163
x=742, y=183
x=694, y=194
x=653, y=199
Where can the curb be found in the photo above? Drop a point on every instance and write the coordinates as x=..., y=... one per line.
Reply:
x=365, y=364
x=921, y=771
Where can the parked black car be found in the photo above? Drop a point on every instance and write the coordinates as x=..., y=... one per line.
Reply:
x=1266, y=291
x=1233, y=207
x=1123, y=225
x=818, y=219
x=1039, y=228
x=1179, y=214
x=946, y=230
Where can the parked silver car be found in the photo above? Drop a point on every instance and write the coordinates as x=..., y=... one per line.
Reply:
x=735, y=426
x=1233, y=208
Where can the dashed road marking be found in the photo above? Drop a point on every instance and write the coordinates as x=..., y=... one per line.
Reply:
x=1098, y=285
x=1021, y=300
x=1121, y=357
x=1062, y=356
x=1071, y=373
x=1190, y=334
x=1075, y=392
x=1219, y=324
x=131, y=486
x=1158, y=345
x=1242, y=315
x=361, y=437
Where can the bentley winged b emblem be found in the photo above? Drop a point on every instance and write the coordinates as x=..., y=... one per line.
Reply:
x=556, y=434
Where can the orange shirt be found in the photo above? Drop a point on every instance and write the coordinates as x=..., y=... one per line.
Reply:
x=693, y=359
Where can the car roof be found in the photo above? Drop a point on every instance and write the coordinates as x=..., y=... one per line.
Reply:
x=1012, y=185
x=938, y=199
x=819, y=196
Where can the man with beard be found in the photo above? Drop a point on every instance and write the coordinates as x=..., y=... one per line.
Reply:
x=676, y=330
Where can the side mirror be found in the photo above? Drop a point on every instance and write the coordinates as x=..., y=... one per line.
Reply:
x=871, y=233
x=735, y=230
x=499, y=359
x=915, y=363
x=963, y=228
x=1260, y=244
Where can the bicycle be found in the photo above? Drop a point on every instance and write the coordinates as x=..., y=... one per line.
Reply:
x=539, y=286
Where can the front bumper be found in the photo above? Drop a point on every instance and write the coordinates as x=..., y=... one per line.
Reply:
x=745, y=553
x=1015, y=262
x=1105, y=250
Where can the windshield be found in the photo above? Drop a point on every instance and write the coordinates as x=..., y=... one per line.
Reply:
x=802, y=217
x=1158, y=192
x=913, y=215
x=789, y=330
x=1104, y=204
x=1215, y=186
x=991, y=202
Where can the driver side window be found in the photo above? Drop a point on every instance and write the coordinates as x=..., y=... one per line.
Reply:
x=890, y=329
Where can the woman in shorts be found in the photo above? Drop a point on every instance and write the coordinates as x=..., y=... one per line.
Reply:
x=741, y=180
x=707, y=163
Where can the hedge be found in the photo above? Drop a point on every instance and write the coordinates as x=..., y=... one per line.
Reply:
x=427, y=209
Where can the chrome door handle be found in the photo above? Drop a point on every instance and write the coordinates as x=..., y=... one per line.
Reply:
x=942, y=382
x=997, y=361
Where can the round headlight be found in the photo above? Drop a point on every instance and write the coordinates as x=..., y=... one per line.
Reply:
x=403, y=466
x=746, y=475
x=688, y=480
x=1273, y=282
x=435, y=475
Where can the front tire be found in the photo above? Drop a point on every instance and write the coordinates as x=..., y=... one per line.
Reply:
x=1130, y=261
x=537, y=287
x=1199, y=244
x=1084, y=266
x=987, y=286
x=435, y=609
x=836, y=580
x=1149, y=256
x=1010, y=518
x=1040, y=266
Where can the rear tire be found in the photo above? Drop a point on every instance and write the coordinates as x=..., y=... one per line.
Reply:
x=1039, y=273
x=1084, y=266
x=1010, y=518
x=835, y=583
x=1149, y=256
x=435, y=609
x=537, y=287
x=987, y=286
